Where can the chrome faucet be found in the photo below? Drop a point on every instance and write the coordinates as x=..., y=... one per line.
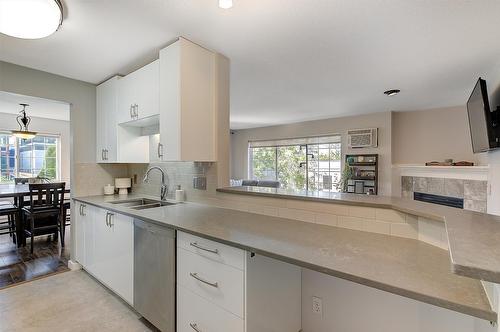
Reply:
x=164, y=186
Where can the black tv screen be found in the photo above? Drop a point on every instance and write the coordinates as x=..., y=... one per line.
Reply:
x=480, y=119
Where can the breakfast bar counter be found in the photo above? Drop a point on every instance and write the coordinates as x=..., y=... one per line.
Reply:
x=405, y=267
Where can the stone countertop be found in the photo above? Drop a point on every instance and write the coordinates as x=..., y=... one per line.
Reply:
x=409, y=268
x=473, y=237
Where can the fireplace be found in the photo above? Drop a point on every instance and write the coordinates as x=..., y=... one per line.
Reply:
x=438, y=199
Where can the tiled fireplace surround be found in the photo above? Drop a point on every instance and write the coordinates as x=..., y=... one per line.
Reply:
x=473, y=192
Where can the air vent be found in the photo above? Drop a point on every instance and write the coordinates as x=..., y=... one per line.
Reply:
x=362, y=138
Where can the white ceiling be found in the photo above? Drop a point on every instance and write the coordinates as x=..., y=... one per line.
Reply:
x=292, y=60
x=39, y=107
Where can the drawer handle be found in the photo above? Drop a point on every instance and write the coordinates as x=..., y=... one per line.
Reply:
x=196, y=245
x=197, y=277
x=194, y=327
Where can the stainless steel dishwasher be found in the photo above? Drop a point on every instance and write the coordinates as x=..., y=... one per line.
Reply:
x=154, y=274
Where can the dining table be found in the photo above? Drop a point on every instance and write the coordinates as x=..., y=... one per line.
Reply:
x=18, y=192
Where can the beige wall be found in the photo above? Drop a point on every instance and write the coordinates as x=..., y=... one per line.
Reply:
x=432, y=135
x=382, y=121
x=82, y=99
x=46, y=126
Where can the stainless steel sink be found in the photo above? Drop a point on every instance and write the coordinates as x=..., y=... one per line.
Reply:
x=143, y=203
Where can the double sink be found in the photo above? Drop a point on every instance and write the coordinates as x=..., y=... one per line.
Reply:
x=143, y=203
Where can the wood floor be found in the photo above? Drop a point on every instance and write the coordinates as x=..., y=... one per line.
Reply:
x=19, y=265
x=70, y=301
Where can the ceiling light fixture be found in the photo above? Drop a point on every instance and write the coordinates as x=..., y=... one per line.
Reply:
x=23, y=120
x=392, y=92
x=30, y=19
x=225, y=4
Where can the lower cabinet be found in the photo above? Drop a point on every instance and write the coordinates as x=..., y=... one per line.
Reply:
x=221, y=288
x=105, y=248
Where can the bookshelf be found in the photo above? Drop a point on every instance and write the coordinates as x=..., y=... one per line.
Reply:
x=364, y=169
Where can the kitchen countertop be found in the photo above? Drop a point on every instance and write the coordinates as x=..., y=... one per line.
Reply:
x=473, y=237
x=406, y=267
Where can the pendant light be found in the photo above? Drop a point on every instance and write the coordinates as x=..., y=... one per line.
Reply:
x=30, y=19
x=23, y=120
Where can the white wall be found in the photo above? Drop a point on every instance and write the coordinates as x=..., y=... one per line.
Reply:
x=382, y=121
x=351, y=307
x=46, y=126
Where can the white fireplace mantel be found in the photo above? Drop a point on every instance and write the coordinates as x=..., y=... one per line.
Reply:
x=449, y=172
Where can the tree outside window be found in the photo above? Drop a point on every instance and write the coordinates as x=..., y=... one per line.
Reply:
x=28, y=158
x=297, y=166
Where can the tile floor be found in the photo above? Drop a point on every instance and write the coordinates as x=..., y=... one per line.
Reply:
x=69, y=301
x=19, y=265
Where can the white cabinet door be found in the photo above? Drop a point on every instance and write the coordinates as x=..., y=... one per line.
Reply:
x=112, y=253
x=81, y=214
x=121, y=256
x=106, y=107
x=170, y=120
x=147, y=88
x=101, y=235
x=187, y=102
x=126, y=99
x=88, y=215
x=139, y=94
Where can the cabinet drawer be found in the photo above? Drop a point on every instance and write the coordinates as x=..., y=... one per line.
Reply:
x=194, y=312
x=220, y=284
x=212, y=250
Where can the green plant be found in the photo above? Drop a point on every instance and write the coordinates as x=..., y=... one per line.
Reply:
x=347, y=173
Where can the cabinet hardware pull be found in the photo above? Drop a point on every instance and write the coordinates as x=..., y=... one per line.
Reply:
x=131, y=111
x=107, y=219
x=136, y=112
x=106, y=153
x=83, y=206
x=81, y=213
x=111, y=224
x=194, y=327
x=102, y=154
x=160, y=150
x=195, y=275
x=196, y=245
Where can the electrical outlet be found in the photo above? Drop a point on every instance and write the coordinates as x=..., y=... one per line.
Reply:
x=317, y=305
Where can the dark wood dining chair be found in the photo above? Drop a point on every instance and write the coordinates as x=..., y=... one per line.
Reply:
x=44, y=215
x=11, y=224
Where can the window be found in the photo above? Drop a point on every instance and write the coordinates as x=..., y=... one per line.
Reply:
x=311, y=163
x=37, y=157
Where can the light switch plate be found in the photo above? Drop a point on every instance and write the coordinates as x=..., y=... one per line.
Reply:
x=200, y=182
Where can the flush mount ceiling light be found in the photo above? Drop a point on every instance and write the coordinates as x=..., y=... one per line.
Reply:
x=30, y=19
x=23, y=120
x=392, y=92
x=225, y=4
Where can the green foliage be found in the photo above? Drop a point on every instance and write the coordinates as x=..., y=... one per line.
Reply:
x=289, y=159
x=49, y=167
x=347, y=173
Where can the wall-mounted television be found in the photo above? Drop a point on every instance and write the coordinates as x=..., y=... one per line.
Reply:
x=482, y=122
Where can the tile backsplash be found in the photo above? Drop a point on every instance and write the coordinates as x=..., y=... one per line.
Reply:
x=473, y=192
x=177, y=173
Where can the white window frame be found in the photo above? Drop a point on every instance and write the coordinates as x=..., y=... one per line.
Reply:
x=58, y=152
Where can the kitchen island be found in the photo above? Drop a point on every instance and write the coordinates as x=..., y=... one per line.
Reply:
x=406, y=267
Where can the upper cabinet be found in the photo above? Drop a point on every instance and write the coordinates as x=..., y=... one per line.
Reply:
x=107, y=101
x=187, y=103
x=139, y=94
x=182, y=99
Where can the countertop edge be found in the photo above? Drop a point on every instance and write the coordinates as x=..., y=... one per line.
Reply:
x=476, y=272
x=455, y=306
